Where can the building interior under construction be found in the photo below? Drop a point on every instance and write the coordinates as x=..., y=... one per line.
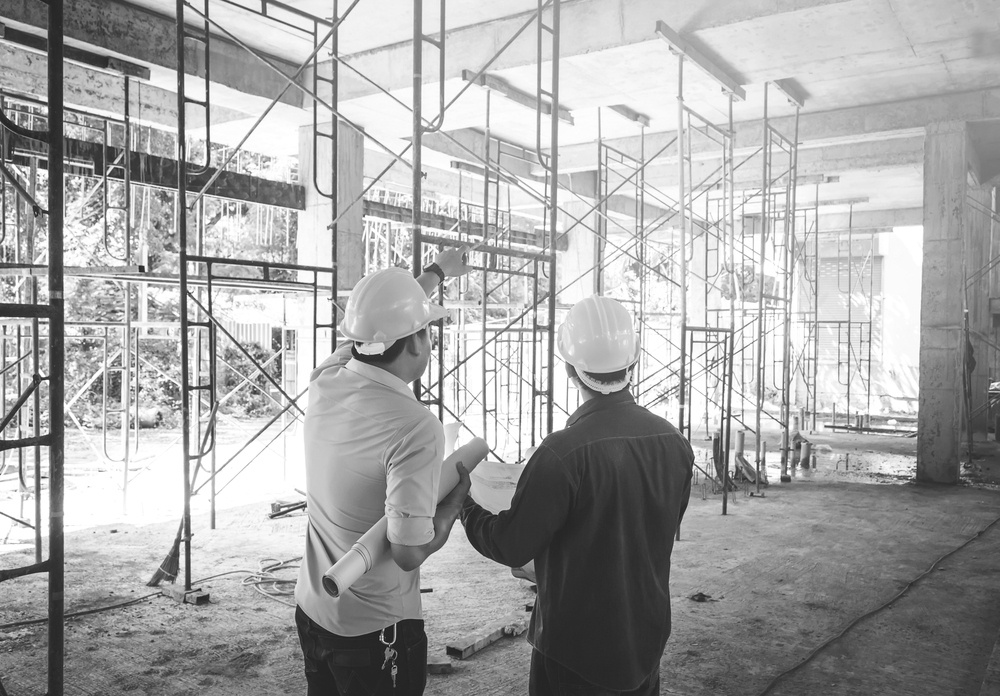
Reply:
x=795, y=199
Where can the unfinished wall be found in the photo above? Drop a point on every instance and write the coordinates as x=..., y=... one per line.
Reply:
x=896, y=374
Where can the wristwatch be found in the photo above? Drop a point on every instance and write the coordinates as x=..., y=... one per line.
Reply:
x=434, y=268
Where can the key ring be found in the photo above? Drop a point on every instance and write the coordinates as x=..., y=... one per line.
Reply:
x=383, y=641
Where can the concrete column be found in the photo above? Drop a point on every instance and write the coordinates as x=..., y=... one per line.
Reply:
x=943, y=282
x=314, y=240
x=579, y=259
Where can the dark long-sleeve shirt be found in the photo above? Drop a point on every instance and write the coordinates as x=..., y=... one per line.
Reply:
x=597, y=508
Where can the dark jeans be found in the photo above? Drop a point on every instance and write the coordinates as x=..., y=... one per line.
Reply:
x=549, y=678
x=352, y=666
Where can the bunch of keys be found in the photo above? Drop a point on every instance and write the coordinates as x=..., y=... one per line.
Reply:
x=390, y=654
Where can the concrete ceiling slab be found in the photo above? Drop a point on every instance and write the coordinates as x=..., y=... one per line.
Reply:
x=848, y=56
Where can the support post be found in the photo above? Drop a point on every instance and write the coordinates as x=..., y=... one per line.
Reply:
x=939, y=421
x=57, y=372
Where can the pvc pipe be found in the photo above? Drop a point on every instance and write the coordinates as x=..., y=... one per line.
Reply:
x=451, y=431
x=373, y=545
x=806, y=451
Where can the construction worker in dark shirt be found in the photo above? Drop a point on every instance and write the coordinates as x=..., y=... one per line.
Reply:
x=596, y=507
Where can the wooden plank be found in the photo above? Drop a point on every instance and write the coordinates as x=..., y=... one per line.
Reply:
x=439, y=665
x=513, y=625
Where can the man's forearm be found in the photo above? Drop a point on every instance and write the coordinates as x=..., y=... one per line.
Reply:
x=429, y=281
x=480, y=528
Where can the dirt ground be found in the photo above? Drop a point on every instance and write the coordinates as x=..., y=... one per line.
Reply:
x=784, y=573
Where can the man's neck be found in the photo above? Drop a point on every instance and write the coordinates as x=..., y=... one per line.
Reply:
x=397, y=369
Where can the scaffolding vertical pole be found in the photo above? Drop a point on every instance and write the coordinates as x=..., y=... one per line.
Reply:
x=332, y=194
x=553, y=181
x=724, y=429
x=815, y=308
x=760, y=293
x=601, y=226
x=786, y=363
x=418, y=133
x=850, y=308
x=36, y=426
x=182, y=239
x=56, y=638
x=681, y=203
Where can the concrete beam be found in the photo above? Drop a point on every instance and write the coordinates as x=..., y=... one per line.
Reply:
x=858, y=124
x=583, y=188
x=812, y=162
x=517, y=161
x=587, y=26
x=871, y=220
x=468, y=143
x=91, y=159
x=95, y=91
x=74, y=54
x=503, y=88
x=135, y=34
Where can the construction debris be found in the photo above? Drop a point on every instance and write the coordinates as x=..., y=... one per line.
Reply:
x=439, y=665
x=179, y=594
x=513, y=625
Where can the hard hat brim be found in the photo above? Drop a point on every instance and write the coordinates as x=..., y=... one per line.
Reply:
x=434, y=313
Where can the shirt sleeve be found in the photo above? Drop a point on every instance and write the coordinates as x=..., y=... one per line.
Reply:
x=540, y=507
x=338, y=358
x=412, y=478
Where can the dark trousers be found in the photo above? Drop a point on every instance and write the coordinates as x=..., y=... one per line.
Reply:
x=352, y=666
x=549, y=678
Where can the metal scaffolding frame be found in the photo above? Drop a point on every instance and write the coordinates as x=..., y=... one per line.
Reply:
x=853, y=333
x=498, y=349
x=805, y=317
x=981, y=284
x=26, y=309
x=503, y=257
x=202, y=330
x=724, y=270
x=102, y=149
x=777, y=220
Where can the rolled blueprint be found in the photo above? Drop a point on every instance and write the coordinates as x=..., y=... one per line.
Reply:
x=373, y=544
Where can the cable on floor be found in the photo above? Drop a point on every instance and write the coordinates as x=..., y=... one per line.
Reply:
x=267, y=582
x=264, y=581
x=32, y=622
x=808, y=658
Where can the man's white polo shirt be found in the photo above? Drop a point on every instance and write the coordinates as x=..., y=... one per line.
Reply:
x=371, y=449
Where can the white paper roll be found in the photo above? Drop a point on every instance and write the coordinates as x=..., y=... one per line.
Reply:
x=373, y=544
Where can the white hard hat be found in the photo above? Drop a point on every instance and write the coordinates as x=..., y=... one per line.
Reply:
x=385, y=306
x=597, y=337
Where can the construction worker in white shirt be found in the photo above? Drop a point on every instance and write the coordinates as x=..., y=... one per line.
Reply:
x=372, y=449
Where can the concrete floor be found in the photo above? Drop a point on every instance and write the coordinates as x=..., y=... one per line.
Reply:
x=786, y=572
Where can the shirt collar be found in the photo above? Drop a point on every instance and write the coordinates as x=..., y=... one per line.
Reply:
x=377, y=374
x=600, y=403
